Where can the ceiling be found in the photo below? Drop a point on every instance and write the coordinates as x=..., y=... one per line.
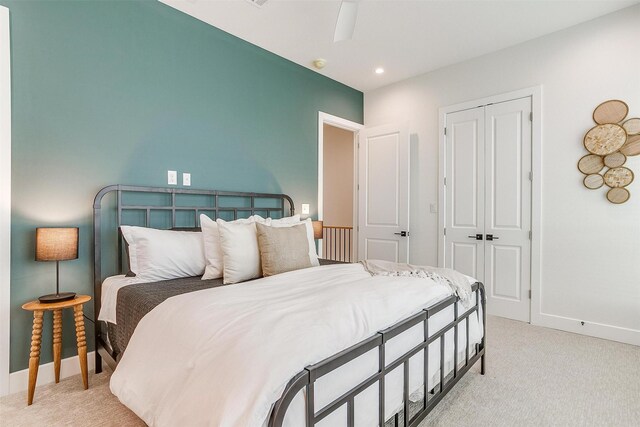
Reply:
x=406, y=38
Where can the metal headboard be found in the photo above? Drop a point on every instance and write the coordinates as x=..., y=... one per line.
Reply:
x=214, y=209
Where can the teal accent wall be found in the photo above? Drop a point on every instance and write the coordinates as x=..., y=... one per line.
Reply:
x=108, y=92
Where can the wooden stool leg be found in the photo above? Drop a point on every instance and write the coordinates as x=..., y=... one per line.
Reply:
x=34, y=355
x=57, y=342
x=82, y=344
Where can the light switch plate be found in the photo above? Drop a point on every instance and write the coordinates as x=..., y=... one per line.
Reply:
x=186, y=179
x=172, y=177
x=433, y=208
x=305, y=209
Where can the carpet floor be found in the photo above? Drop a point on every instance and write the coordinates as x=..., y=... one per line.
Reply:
x=535, y=377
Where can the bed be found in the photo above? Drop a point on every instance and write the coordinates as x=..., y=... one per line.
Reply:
x=411, y=348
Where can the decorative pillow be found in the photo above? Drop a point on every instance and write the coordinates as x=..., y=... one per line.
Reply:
x=240, y=253
x=313, y=255
x=283, y=249
x=163, y=254
x=295, y=219
x=212, y=246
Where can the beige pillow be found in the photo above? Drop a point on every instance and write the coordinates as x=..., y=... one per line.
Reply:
x=283, y=249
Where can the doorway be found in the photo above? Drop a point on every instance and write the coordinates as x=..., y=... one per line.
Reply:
x=487, y=172
x=337, y=187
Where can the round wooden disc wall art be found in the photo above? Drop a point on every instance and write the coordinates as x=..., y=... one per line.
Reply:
x=614, y=138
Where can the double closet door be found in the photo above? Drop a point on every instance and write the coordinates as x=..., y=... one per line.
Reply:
x=488, y=202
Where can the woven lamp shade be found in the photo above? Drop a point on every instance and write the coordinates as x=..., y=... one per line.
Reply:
x=56, y=244
x=317, y=229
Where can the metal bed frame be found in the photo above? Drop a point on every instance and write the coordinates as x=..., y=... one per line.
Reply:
x=214, y=206
x=306, y=378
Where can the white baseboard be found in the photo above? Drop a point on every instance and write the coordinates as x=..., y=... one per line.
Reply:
x=592, y=329
x=19, y=381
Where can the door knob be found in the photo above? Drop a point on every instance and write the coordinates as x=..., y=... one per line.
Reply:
x=492, y=237
x=402, y=234
x=478, y=237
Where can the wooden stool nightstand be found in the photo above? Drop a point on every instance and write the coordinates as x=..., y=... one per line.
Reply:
x=38, y=309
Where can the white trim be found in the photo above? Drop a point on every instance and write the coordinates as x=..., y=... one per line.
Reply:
x=592, y=329
x=535, y=93
x=68, y=368
x=5, y=199
x=324, y=118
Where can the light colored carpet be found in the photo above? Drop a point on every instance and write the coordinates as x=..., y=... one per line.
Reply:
x=535, y=377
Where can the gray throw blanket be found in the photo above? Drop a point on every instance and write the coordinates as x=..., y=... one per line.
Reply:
x=456, y=281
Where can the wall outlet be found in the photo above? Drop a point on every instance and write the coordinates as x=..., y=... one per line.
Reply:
x=305, y=209
x=172, y=177
x=433, y=208
x=186, y=179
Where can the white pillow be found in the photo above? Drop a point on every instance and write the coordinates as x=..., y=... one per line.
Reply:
x=164, y=254
x=212, y=247
x=240, y=251
x=294, y=220
x=313, y=255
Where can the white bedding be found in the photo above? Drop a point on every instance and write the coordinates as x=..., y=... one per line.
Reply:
x=109, y=295
x=223, y=356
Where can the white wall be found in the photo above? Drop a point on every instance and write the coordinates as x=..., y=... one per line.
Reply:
x=5, y=197
x=590, y=247
x=338, y=176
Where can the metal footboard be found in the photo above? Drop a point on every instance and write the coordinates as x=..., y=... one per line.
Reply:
x=306, y=379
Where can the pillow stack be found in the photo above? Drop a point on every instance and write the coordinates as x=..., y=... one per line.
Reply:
x=240, y=250
x=237, y=250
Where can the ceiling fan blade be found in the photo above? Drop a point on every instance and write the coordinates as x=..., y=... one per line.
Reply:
x=346, y=22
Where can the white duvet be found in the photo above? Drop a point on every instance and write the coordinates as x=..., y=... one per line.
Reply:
x=223, y=356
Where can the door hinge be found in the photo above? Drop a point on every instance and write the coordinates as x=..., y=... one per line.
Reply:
x=530, y=176
x=529, y=293
x=358, y=187
x=445, y=131
x=445, y=180
x=529, y=234
x=445, y=231
x=531, y=116
x=357, y=228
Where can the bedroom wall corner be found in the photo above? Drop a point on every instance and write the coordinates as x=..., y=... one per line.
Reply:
x=113, y=92
x=590, y=247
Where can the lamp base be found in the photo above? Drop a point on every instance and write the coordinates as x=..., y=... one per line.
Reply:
x=63, y=296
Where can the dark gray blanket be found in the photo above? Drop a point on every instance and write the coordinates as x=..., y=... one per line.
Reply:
x=135, y=301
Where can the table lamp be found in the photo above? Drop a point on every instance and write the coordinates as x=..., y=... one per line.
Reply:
x=57, y=244
x=317, y=229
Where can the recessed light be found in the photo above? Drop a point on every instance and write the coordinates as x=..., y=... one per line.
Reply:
x=379, y=70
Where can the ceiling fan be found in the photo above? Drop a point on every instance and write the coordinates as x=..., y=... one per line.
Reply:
x=346, y=22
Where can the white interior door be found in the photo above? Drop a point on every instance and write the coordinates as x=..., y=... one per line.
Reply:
x=508, y=208
x=488, y=202
x=383, y=193
x=464, y=192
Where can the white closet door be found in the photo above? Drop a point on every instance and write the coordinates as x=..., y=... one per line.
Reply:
x=384, y=193
x=464, y=192
x=508, y=208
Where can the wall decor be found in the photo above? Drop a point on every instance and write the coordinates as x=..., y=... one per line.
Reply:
x=632, y=126
x=605, y=139
x=618, y=195
x=593, y=181
x=618, y=177
x=614, y=160
x=591, y=163
x=609, y=143
x=632, y=146
x=612, y=111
